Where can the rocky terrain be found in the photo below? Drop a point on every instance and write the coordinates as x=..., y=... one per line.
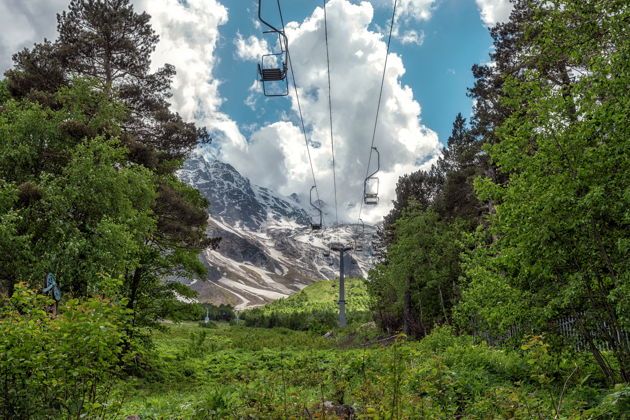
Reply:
x=267, y=250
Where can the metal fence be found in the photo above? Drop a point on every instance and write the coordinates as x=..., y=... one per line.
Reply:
x=569, y=328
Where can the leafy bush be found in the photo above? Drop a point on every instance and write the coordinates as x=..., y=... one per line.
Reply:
x=614, y=405
x=58, y=367
x=241, y=372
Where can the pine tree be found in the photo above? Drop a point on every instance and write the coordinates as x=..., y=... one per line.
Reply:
x=108, y=40
x=111, y=43
x=460, y=163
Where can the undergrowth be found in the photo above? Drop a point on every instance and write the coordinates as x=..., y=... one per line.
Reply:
x=252, y=373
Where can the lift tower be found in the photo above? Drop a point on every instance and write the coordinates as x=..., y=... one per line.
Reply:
x=337, y=246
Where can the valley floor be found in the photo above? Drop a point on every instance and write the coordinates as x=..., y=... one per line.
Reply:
x=236, y=372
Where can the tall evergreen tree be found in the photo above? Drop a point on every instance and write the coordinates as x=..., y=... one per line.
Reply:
x=460, y=163
x=109, y=41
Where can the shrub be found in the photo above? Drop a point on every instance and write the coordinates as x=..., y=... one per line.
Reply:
x=58, y=367
x=210, y=324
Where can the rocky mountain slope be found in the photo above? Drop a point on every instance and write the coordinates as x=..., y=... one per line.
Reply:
x=267, y=250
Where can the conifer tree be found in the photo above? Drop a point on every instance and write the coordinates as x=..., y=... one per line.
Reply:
x=111, y=43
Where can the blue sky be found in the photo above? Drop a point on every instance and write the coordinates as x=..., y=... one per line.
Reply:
x=215, y=46
x=438, y=71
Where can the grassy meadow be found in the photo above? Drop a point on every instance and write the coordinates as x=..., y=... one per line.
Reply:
x=238, y=372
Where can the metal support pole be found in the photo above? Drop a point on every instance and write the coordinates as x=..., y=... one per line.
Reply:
x=342, y=287
x=342, y=293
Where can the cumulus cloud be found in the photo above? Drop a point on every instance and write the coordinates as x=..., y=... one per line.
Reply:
x=250, y=49
x=494, y=11
x=189, y=32
x=411, y=37
x=407, y=10
x=276, y=156
x=416, y=9
x=24, y=23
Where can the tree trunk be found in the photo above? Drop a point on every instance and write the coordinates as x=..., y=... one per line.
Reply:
x=407, y=307
x=442, y=304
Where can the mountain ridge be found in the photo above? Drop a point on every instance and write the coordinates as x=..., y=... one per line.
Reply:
x=268, y=250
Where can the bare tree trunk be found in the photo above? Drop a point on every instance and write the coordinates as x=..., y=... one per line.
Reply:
x=407, y=307
x=442, y=304
x=424, y=330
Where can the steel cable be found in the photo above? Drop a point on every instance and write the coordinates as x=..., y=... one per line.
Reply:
x=378, y=106
x=297, y=98
x=332, y=141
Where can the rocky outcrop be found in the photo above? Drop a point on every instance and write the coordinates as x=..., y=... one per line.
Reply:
x=267, y=250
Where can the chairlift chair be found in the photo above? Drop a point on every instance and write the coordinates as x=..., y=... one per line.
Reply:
x=273, y=67
x=314, y=224
x=370, y=185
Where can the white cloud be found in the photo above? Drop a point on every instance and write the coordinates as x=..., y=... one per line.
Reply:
x=412, y=37
x=494, y=11
x=416, y=9
x=253, y=95
x=250, y=49
x=276, y=156
x=188, y=38
x=24, y=23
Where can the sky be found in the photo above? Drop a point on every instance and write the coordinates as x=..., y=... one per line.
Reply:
x=215, y=46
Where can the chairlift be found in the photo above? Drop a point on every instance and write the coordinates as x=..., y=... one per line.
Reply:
x=370, y=185
x=272, y=68
x=315, y=225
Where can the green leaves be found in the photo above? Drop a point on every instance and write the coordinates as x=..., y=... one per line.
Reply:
x=423, y=263
x=561, y=201
x=58, y=367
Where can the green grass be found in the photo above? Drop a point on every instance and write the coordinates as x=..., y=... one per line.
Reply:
x=314, y=308
x=323, y=295
x=240, y=372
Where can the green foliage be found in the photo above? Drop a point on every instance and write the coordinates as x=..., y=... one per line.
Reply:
x=83, y=211
x=313, y=308
x=59, y=367
x=417, y=287
x=240, y=372
x=91, y=148
x=614, y=405
x=417, y=283
x=561, y=219
x=219, y=313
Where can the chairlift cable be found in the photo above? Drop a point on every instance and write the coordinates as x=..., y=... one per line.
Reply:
x=380, y=96
x=297, y=98
x=272, y=74
x=332, y=141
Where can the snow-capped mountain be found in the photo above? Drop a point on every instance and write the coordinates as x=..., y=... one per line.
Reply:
x=267, y=250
